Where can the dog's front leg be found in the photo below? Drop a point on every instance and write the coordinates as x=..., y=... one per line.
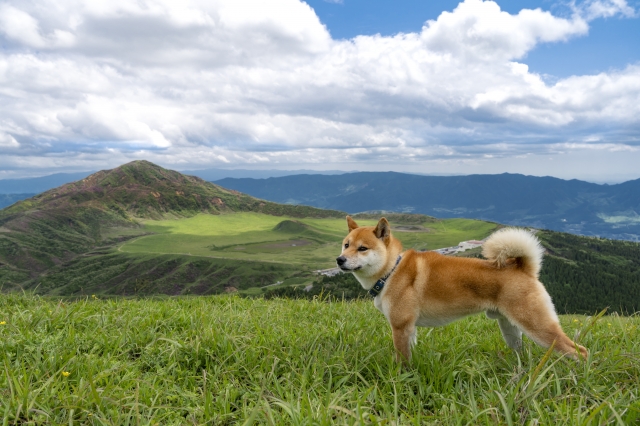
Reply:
x=403, y=337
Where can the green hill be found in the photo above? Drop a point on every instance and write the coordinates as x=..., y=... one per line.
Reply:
x=41, y=234
x=128, y=274
x=141, y=189
x=291, y=227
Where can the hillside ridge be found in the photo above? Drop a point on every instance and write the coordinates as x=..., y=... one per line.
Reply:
x=141, y=189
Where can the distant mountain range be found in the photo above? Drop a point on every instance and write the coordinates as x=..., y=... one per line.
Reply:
x=40, y=184
x=217, y=174
x=573, y=206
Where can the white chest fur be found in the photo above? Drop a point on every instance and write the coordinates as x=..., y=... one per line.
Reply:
x=377, y=302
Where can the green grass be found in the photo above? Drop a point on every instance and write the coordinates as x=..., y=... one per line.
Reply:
x=228, y=360
x=251, y=236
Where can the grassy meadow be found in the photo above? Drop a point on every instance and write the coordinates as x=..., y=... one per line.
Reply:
x=254, y=236
x=228, y=360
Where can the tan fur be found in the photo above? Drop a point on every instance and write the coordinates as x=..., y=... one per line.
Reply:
x=429, y=289
x=515, y=243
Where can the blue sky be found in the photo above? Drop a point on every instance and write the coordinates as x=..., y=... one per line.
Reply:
x=539, y=88
x=611, y=42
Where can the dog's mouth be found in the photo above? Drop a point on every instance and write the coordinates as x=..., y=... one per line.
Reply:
x=344, y=268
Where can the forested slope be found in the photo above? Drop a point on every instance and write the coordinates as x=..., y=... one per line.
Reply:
x=588, y=274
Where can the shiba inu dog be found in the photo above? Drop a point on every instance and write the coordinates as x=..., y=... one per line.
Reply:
x=427, y=289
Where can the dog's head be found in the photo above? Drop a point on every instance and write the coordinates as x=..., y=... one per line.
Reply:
x=365, y=249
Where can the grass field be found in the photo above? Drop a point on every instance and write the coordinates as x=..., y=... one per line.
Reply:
x=251, y=236
x=228, y=360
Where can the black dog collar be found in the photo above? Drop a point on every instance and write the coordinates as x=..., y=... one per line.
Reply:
x=379, y=285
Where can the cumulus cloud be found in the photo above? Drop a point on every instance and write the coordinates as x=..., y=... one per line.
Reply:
x=251, y=82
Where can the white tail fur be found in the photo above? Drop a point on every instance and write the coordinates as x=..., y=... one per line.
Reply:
x=514, y=243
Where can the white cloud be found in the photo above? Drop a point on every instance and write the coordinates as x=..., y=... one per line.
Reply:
x=478, y=31
x=205, y=83
x=19, y=26
x=8, y=141
x=593, y=9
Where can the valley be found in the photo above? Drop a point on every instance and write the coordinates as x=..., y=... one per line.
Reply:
x=300, y=241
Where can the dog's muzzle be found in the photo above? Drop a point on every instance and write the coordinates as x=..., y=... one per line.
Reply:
x=341, y=261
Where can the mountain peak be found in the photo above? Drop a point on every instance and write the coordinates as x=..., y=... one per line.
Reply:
x=139, y=172
x=142, y=189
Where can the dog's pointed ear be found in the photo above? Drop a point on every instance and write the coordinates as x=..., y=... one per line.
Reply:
x=351, y=224
x=383, y=230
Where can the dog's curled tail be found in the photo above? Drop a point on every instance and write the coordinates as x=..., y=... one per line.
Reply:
x=510, y=243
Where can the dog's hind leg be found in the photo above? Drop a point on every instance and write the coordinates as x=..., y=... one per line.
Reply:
x=511, y=333
x=540, y=322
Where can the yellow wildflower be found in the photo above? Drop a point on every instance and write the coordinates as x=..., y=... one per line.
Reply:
x=3, y=322
x=66, y=373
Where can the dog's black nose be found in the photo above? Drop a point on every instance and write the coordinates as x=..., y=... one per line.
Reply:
x=341, y=260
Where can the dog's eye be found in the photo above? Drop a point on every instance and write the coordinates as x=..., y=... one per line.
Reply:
x=362, y=249
x=346, y=245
